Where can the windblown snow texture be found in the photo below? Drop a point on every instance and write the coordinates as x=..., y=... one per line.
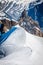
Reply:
x=23, y=48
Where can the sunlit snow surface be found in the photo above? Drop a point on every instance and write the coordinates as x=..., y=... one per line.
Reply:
x=14, y=8
x=23, y=48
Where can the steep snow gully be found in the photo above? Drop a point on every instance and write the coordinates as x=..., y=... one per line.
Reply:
x=22, y=48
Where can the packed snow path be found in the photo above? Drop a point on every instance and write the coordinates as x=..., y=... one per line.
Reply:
x=23, y=48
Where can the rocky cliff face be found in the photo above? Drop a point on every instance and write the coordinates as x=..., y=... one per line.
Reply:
x=27, y=23
x=30, y=25
x=8, y=23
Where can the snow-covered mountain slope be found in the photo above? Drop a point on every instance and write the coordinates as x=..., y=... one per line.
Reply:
x=15, y=39
x=14, y=8
x=23, y=50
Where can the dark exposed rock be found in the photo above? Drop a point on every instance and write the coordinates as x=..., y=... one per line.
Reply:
x=30, y=25
x=8, y=23
x=27, y=23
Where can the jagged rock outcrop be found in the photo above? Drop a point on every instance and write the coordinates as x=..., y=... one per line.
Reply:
x=8, y=23
x=30, y=25
x=26, y=22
